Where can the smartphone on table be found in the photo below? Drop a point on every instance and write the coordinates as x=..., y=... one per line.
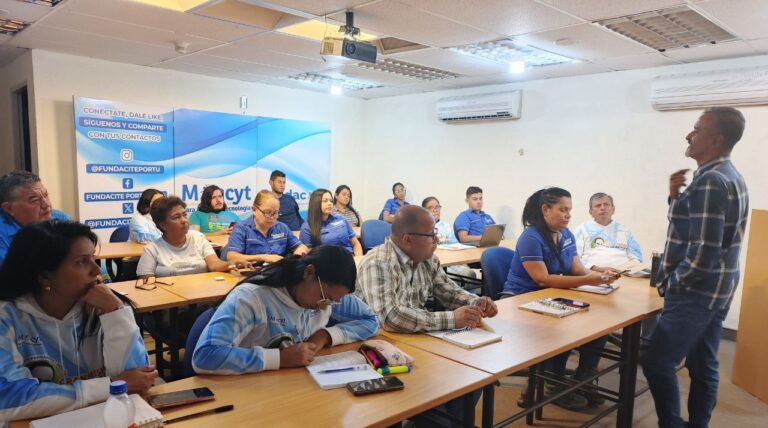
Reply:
x=372, y=386
x=179, y=398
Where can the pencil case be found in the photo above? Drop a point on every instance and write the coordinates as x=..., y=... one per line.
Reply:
x=382, y=354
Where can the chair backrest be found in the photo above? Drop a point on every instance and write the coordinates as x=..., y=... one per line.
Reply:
x=192, y=338
x=373, y=233
x=121, y=234
x=495, y=263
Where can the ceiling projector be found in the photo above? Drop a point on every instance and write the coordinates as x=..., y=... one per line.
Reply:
x=348, y=49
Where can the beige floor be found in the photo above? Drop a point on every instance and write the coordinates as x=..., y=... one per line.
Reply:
x=735, y=408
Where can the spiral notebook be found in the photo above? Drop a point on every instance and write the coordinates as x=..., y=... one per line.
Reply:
x=551, y=308
x=597, y=289
x=467, y=337
x=93, y=417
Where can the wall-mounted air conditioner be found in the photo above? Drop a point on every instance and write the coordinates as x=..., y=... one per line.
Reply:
x=734, y=87
x=493, y=106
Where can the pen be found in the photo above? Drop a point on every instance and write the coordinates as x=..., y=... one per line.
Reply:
x=342, y=369
x=394, y=370
x=221, y=409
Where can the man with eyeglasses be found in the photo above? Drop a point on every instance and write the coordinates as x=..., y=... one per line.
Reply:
x=398, y=277
x=23, y=201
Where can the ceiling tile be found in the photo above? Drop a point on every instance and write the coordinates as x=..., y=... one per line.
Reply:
x=9, y=53
x=589, y=42
x=405, y=22
x=575, y=69
x=352, y=72
x=508, y=17
x=387, y=91
x=96, y=50
x=74, y=41
x=747, y=19
x=630, y=62
x=593, y=10
x=708, y=52
x=227, y=64
x=449, y=60
x=125, y=31
x=284, y=43
x=314, y=7
x=254, y=51
x=190, y=68
x=760, y=45
x=181, y=23
x=22, y=11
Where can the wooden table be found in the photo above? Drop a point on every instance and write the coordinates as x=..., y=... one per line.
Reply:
x=470, y=255
x=530, y=338
x=118, y=250
x=148, y=300
x=290, y=398
x=201, y=287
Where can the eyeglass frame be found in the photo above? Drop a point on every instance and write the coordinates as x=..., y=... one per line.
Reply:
x=145, y=285
x=275, y=214
x=325, y=301
x=433, y=235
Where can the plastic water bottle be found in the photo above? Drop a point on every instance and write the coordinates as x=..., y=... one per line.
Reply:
x=119, y=410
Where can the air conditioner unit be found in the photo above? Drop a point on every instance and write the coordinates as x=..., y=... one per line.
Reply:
x=493, y=106
x=734, y=87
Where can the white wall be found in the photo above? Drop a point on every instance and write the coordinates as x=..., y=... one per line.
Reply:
x=12, y=77
x=585, y=134
x=59, y=77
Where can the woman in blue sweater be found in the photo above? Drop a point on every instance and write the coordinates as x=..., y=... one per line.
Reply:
x=280, y=317
x=546, y=257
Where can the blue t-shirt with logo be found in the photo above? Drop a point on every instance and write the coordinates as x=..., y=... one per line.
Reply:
x=531, y=247
x=391, y=206
x=246, y=239
x=334, y=231
x=473, y=222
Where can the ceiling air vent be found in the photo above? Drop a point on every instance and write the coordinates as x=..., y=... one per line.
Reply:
x=677, y=27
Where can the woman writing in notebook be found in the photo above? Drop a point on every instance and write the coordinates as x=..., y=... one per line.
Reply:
x=63, y=334
x=546, y=257
x=280, y=317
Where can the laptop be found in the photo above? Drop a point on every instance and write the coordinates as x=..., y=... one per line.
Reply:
x=492, y=236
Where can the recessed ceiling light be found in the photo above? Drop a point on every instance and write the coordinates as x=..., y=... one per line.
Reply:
x=321, y=80
x=677, y=27
x=507, y=51
x=407, y=69
x=517, y=66
x=11, y=26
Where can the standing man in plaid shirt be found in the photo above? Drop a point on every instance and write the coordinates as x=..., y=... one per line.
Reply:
x=699, y=270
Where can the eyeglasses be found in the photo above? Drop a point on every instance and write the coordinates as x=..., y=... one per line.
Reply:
x=268, y=214
x=144, y=284
x=435, y=208
x=325, y=302
x=432, y=235
x=399, y=190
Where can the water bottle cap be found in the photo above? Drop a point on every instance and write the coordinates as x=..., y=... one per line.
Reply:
x=118, y=387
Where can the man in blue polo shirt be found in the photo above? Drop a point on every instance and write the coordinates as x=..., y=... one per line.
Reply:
x=470, y=224
x=289, y=209
x=23, y=201
x=260, y=237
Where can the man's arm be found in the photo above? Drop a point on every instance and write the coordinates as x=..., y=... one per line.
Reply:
x=450, y=295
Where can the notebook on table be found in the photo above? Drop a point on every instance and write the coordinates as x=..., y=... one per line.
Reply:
x=552, y=307
x=93, y=417
x=467, y=337
x=597, y=289
x=337, y=370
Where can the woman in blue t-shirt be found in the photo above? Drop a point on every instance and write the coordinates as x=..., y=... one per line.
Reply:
x=394, y=204
x=324, y=227
x=546, y=257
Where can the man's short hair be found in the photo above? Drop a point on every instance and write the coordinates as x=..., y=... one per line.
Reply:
x=471, y=190
x=14, y=179
x=599, y=195
x=276, y=174
x=729, y=123
x=407, y=219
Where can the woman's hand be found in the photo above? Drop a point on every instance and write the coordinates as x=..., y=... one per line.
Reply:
x=298, y=355
x=599, y=278
x=139, y=380
x=101, y=297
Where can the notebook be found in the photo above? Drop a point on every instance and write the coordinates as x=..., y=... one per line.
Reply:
x=634, y=269
x=337, y=370
x=551, y=308
x=597, y=289
x=467, y=337
x=455, y=246
x=93, y=417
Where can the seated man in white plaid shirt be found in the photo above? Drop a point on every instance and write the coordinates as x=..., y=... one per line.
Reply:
x=398, y=277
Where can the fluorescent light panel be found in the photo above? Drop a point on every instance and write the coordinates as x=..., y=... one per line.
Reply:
x=406, y=69
x=677, y=27
x=11, y=26
x=507, y=51
x=319, y=79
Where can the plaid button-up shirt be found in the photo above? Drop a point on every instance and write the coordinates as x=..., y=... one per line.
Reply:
x=706, y=228
x=397, y=290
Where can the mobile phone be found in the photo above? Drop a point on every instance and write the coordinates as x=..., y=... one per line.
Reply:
x=571, y=303
x=372, y=386
x=231, y=225
x=179, y=398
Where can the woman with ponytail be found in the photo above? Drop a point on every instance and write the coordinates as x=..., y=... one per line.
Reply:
x=280, y=317
x=546, y=257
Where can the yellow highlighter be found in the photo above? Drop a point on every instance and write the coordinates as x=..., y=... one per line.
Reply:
x=394, y=370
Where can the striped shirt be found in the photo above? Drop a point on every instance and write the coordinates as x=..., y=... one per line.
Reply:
x=397, y=290
x=348, y=214
x=706, y=228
